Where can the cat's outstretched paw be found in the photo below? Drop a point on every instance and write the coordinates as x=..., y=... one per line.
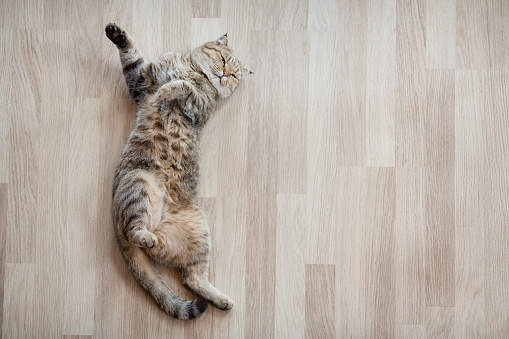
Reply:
x=224, y=304
x=116, y=35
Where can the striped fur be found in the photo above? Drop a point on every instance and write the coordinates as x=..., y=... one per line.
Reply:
x=155, y=207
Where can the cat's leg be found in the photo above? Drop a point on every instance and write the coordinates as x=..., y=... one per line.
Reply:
x=137, y=203
x=131, y=59
x=175, y=90
x=184, y=242
x=190, y=99
x=195, y=276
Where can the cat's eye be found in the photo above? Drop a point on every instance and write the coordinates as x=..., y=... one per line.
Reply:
x=233, y=75
x=224, y=62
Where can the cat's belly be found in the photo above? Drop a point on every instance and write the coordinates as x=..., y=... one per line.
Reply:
x=183, y=236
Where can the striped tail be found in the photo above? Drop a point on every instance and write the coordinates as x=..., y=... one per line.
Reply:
x=145, y=273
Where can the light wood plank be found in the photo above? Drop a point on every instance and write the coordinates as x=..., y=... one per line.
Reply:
x=350, y=297
x=6, y=60
x=88, y=35
x=57, y=92
x=323, y=15
x=292, y=126
x=470, y=308
x=82, y=215
x=24, y=14
x=409, y=247
x=350, y=49
x=109, y=318
x=24, y=125
x=261, y=272
x=498, y=34
x=469, y=149
x=472, y=46
x=440, y=35
x=322, y=153
x=410, y=109
x=18, y=305
x=485, y=163
x=228, y=225
x=378, y=253
x=494, y=96
x=206, y=9
x=290, y=269
x=3, y=221
x=320, y=280
x=262, y=190
x=410, y=331
x=440, y=322
x=293, y=15
x=439, y=183
x=278, y=15
x=380, y=83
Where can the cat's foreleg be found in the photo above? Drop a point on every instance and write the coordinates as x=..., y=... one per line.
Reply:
x=175, y=90
x=186, y=94
x=130, y=57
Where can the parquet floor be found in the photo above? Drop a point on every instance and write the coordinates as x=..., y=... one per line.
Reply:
x=356, y=185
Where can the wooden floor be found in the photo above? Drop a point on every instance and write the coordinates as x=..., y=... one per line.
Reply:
x=357, y=185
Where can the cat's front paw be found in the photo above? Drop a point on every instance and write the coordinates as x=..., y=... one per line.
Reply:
x=116, y=35
x=176, y=89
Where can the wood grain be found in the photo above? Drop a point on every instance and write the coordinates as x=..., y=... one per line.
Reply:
x=440, y=25
x=6, y=45
x=356, y=185
x=472, y=47
x=409, y=247
x=290, y=272
x=410, y=110
x=292, y=152
x=381, y=83
x=439, y=183
x=378, y=252
x=3, y=221
x=320, y=281
x=321, y=165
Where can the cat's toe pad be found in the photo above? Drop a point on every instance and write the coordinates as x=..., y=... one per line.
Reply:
x=116, y=35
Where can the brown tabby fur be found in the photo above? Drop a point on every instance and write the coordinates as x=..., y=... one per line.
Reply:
x=155, y=204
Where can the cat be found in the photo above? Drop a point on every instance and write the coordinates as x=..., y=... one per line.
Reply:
x=156, y=213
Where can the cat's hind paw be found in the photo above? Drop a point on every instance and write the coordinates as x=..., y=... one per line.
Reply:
x=224, y=304
x=143, y=239
x=116, y=35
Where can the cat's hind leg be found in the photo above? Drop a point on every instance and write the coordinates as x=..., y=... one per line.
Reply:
x=184, y=240
x=131, y=59
x=195, y=276
x=137, y=203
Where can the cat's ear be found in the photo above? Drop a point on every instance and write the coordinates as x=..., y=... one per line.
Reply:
x=223, y=40
x=246, y=72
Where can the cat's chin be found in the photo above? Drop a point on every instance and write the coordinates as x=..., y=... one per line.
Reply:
x=222, y=91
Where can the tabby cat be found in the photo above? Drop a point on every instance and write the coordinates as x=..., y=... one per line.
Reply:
x=156, y=212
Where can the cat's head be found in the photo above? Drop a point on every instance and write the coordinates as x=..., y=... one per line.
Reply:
x=216, y=60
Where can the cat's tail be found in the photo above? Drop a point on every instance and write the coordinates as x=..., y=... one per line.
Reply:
x=147, y=276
